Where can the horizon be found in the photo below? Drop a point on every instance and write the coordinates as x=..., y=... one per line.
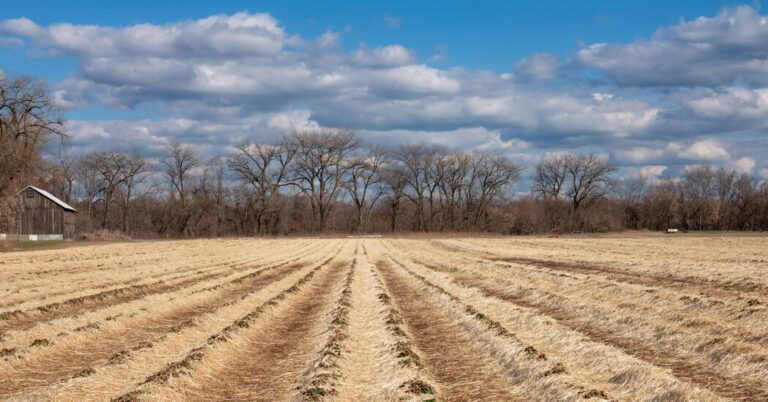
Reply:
x=654, y=88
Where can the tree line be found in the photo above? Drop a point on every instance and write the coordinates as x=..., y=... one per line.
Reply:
x=329, y=180
x=307, y=182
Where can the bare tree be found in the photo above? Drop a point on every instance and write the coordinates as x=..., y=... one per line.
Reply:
x=362, y=184
x=28, y=120
x=217, y=168
x=699, y=188
x=59, y=175
x=453, y=185
x=179, y=162
x=589, y=179
x=549, y=176
x=264, y=168
x=493, y=173
x=110, y=167
x=319, y=168
x=662, y=206
x=416, y=160
x=394, y=180
x=91, y=185
x=136, y=170
x=630, y=192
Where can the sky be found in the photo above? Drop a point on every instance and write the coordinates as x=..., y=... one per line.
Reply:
x=655, y=86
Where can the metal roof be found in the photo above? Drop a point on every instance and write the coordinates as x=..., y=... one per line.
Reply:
x=53, y=198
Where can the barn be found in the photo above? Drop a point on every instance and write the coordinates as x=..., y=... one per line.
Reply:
x=42, y=216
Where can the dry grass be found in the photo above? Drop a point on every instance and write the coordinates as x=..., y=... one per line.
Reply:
x=634, y=318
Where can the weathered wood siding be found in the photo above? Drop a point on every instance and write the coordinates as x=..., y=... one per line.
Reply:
x=39, y=215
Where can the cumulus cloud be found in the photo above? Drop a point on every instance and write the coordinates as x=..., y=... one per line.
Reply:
x=639, y=155
x=209, y=137
x=461, y=138
x=392, y=55
x=743, y=165
x=22, y=27
x=238, y=34
x=705, y=150
x=539, y=67
x=224, y=77
x=727, y=48
x=653, y=171
x=730, y=109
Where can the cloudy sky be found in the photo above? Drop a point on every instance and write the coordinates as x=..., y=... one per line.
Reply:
x=653, y=86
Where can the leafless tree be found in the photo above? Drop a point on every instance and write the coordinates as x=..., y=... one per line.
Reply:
x=136, y=170
x=630, y=191
x=59, y=173
x=589, y=179
x=319, y=166
x=179, y=162
x=110, y=167
x=454, y=184
x=28, y=120
x=699, y=188
x=265, y=169
x=394, y=180
x=549, y=176
x=493, y=174
x=416, y=160
x=217, y=169
x=91, y=185
x=362, y=184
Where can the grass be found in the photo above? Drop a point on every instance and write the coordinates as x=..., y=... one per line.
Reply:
x=26, y=245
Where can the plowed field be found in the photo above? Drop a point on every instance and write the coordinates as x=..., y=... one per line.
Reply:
x=649, y=318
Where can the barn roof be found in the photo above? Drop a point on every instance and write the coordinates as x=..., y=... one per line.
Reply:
x=53, y=198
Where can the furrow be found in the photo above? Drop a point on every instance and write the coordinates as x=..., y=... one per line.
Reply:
x=20, y=320
x=76, y=358
x=467, y=358
x=231, y=365
x=379, y=361
x=128, y=369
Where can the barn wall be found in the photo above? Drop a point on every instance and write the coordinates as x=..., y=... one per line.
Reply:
x=39, y=215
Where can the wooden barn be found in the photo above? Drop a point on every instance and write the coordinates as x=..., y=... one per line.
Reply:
x=42, y=216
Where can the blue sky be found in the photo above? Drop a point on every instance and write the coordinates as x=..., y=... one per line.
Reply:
x=655, y=86
x=485, y=35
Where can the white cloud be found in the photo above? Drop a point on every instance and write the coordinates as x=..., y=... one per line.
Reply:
x=392, y=55
x=208, y=137
x=733, y=106
x=21, y=27
x=723, y=49
x=639, y=154
x=220, y=78
x=653, y=171
x=743, y=165
x=328, y=39
x=238, y=34
x=539, y=67
x=705, y=150
x=462, y=138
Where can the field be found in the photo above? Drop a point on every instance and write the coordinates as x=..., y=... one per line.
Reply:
x=652, y=318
